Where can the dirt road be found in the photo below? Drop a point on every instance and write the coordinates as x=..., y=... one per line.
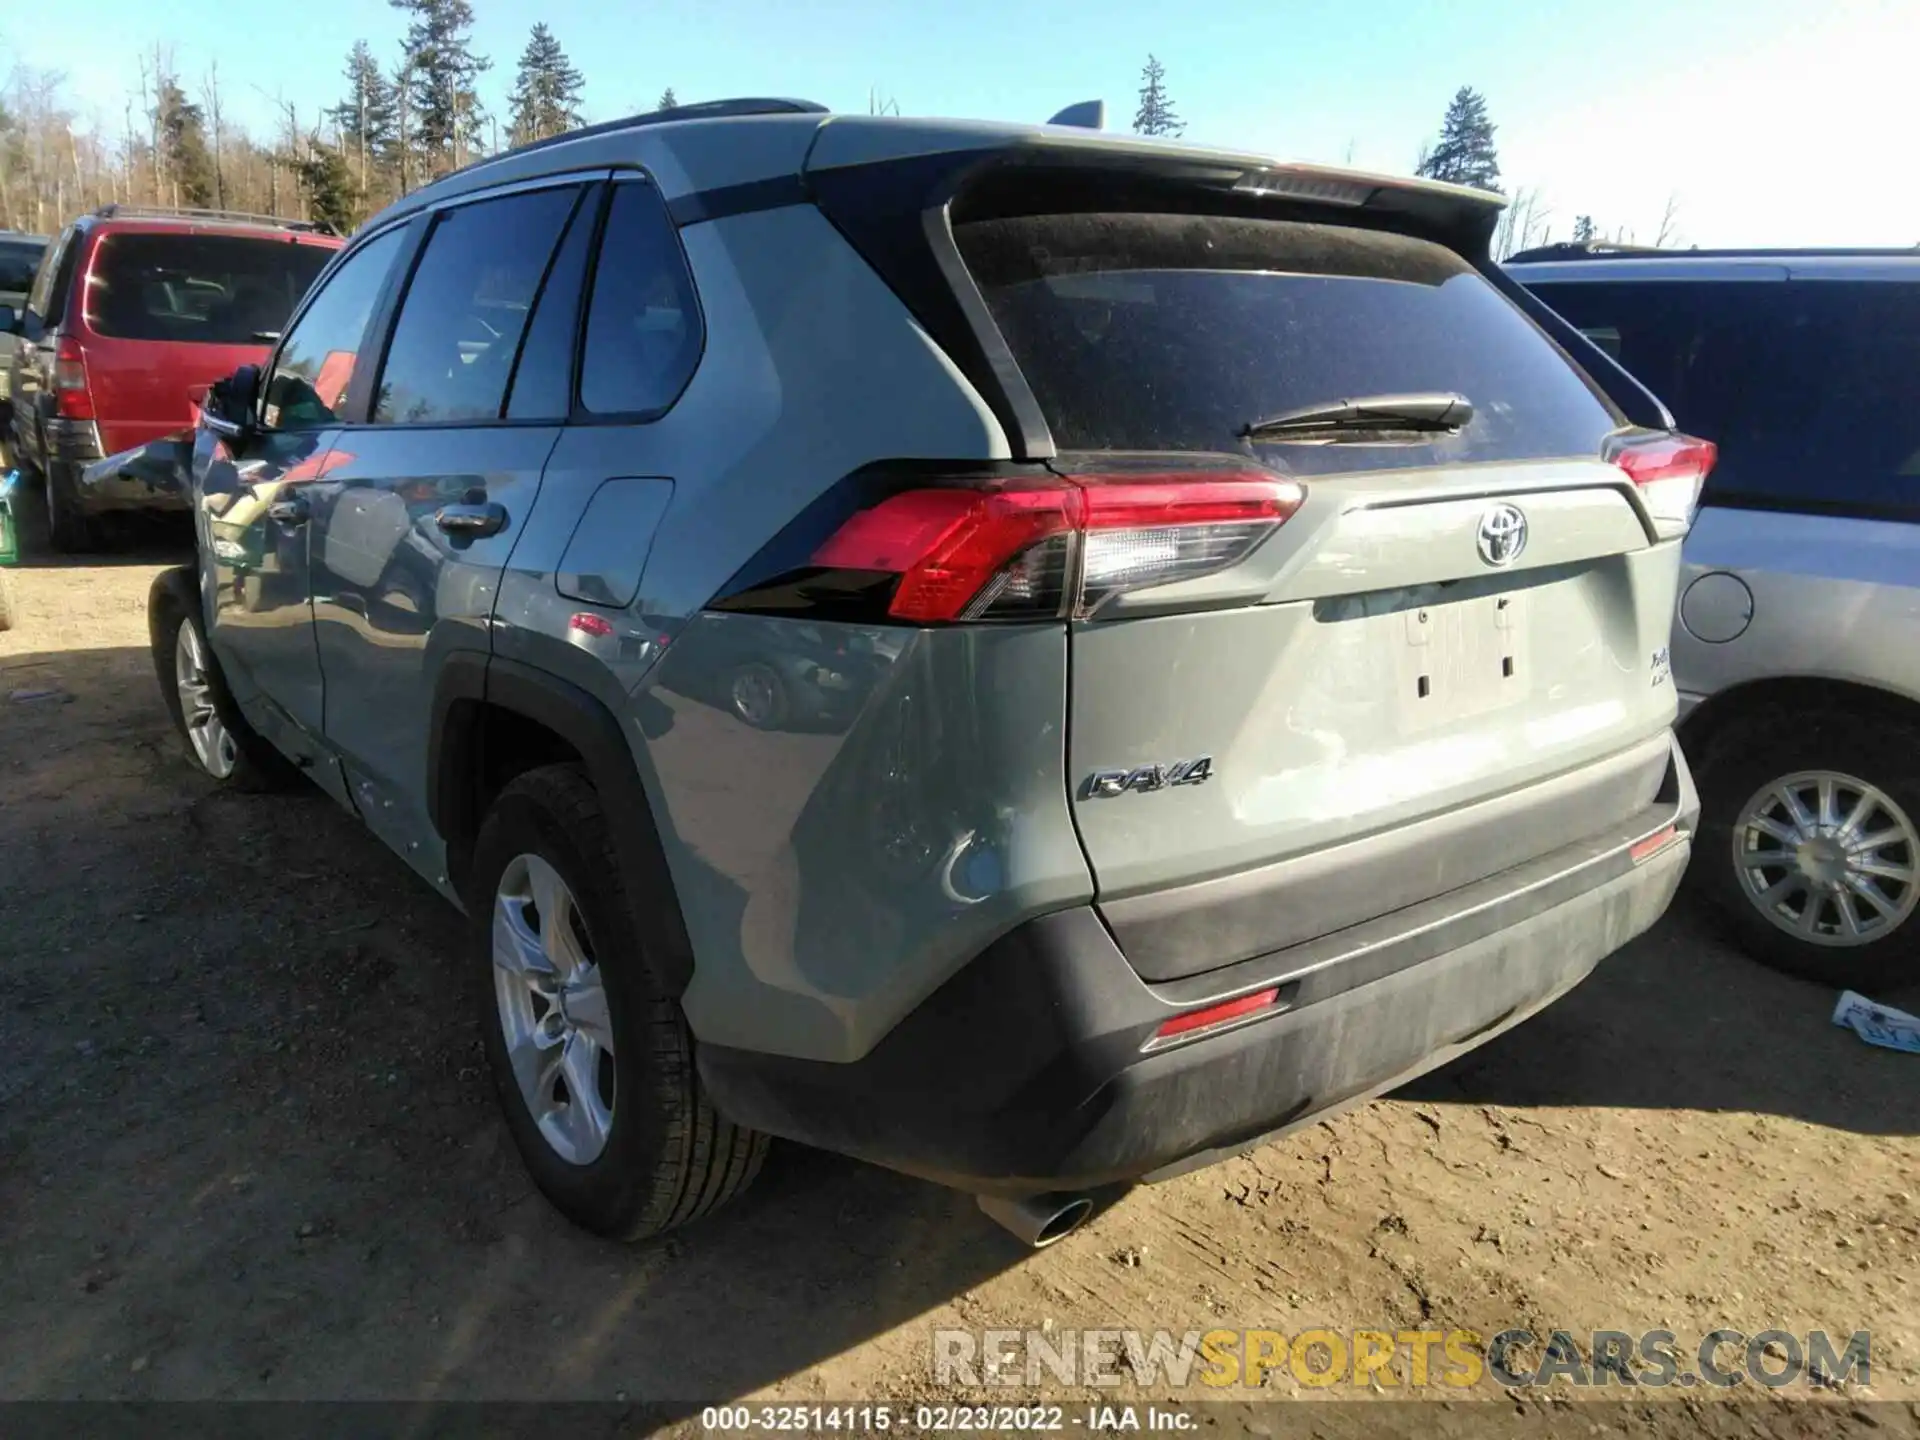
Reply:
x=247, y=1148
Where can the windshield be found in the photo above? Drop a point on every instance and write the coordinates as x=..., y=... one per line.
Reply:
x=206, y=289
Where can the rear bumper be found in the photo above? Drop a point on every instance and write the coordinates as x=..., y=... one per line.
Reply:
x=1033, y=1069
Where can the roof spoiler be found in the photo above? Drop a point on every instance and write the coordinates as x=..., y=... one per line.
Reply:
x=1087, y=115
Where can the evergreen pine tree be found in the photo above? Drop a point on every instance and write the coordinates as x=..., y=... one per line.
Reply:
x=668, y=100
x=1464, y=153
x=328, y=178
x=546, y=90
x=1156, y=115
x=367, y=116
x=1583, y=230
x=447, y=115
x=183, y=144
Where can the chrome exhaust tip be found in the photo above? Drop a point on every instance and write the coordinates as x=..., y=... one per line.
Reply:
x=1037, y=1220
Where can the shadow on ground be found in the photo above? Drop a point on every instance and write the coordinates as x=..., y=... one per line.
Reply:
x=248, y=1145
x=1681, y=1021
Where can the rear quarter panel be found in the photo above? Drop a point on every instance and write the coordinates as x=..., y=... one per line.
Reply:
x=1832, y=597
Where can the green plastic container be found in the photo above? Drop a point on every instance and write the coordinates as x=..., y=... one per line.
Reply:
x=9, y=532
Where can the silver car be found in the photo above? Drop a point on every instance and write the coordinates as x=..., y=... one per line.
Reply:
x=1797, y=647
x=1031, y=658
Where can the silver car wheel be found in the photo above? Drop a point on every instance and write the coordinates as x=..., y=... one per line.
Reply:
x=553, y=1009
x=213, y=744
x=1828, y=858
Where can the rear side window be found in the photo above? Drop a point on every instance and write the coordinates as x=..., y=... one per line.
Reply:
x=200, y=289
x=48, y=301
x=643, y=323
x=1807, y=385
x=543, y=376
x=466, y=308
x=1172, y=332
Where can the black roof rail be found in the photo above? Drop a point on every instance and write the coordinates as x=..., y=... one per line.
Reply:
x=702, y=110
x=1567, y=250
x=1585, y=250
x=181, y=212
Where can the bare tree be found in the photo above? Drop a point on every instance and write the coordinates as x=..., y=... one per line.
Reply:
x=210, y=97
x=1523, y=224
x=880, y=103
x=1669, y=231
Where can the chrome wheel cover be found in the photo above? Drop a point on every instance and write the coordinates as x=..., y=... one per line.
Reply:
x=1828, y=858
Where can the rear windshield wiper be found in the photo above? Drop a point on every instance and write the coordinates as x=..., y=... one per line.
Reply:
x=1434, y=412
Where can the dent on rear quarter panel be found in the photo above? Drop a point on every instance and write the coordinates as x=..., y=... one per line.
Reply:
x=837, y=864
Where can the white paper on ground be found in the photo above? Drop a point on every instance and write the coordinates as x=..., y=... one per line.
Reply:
x=1878, y=1024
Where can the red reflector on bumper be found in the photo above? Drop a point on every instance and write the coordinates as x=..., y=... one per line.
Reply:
x=1653, y=844
x=1217, y=1014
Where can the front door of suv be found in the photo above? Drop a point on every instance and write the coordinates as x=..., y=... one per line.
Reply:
x=422, y=503
x=251, y=508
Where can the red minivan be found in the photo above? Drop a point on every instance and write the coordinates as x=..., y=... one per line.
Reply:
x=133, y=313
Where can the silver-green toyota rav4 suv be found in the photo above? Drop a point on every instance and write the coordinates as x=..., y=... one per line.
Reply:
x=1034, y=659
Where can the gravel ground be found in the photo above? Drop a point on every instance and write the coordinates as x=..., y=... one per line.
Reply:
x=247, y=1149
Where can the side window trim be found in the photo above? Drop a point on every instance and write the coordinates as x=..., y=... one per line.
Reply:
x=386, y=313
x=591, y=211
x=577, y=413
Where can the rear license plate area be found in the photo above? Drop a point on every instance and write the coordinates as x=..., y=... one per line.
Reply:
x=1461, y=659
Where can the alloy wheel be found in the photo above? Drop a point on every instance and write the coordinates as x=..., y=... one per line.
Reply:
x=553, y=1009
x=213, y=744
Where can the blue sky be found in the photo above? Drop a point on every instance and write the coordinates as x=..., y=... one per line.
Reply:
x=1771, y=122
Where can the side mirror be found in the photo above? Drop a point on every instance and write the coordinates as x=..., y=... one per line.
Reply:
x=9, y=320
x=229, y=410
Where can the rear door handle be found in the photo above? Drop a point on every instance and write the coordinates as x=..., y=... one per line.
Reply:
x=471, y=521
x=292, y=510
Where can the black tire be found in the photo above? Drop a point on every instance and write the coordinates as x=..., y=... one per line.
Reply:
x=669, y=1156
x=173, y=604
x=70, y=530
x=1753, y=754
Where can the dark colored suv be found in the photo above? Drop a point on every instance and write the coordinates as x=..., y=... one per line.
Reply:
x=19, y=258
x=1797, y=647
x=132, y=314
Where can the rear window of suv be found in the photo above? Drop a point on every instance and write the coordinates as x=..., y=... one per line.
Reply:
x=209, y=289
x=1172, y=332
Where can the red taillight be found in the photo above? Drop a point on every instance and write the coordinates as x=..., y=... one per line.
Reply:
x=72, y=400
x=1669, y=470
x=1028, y=550
x=587, y=623
x=1219, y=1014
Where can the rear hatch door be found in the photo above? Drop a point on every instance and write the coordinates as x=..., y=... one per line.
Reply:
x=1384, y=689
